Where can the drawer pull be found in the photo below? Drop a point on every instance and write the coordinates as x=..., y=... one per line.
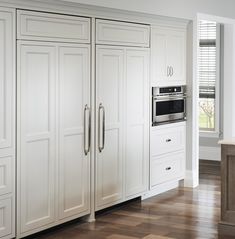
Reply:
x=168, y=168
x=168, y=140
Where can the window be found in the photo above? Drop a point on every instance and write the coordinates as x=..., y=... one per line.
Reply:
x=208, y=75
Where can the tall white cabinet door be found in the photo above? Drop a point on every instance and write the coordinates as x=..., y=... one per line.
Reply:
x=36, y=134
x=176, y=44
x=109, y=95
x=137, y=121
x=6, y=79
x=158, y=56
x=74, y=91
x=7, y=104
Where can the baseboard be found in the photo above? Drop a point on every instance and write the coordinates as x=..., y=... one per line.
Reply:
x=191, y=179
x=161, y=188
x=210, y=153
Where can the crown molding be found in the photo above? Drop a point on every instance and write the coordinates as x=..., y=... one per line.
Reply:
x=60, y=6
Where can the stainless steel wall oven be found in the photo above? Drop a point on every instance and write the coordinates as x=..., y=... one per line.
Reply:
x=168, y=104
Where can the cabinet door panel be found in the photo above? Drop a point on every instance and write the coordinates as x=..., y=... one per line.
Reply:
x=5, y=217
x=121, y=33
x=109, y=80
x=6, y=175
x=158, y=56
x=6, y=79
x=168, y=46
x=41, y=26
x=137, y=103
x=74, y=91
x=176, y=55
x=36, y=132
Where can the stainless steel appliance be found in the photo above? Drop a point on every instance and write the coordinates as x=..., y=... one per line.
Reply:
x=168, y=104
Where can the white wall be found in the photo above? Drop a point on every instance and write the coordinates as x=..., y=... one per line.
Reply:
x=174, y=8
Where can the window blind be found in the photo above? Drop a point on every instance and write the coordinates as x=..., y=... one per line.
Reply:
x=207, y=59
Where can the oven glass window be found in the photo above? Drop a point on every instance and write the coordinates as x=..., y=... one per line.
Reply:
x=169, y=107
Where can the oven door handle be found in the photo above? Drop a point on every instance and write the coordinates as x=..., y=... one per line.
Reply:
x=169, y=96
x=169, y=99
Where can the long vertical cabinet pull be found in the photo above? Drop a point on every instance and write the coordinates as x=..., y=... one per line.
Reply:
x=87, y=134
x=101, y=147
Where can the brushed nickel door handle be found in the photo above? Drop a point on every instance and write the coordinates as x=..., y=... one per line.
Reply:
x=101, y=147
x=87, y=138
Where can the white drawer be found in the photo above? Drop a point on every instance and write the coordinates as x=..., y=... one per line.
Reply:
x=122, y=33
x=5, y=217
x=166, y=140
x=52, y=27
x=167, y=167
x=6, y=174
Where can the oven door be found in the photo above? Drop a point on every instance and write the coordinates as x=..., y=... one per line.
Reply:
x=168, y=109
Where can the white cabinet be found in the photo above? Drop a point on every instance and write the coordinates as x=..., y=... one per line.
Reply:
x=36, y=134
x=7, y=122
x=122, y=109
x=122, y=33
x=6, y=79
x=168, y=53
x=167, y=153
x=53, y=125
x=109, y=108
x=167, y=139
x=122, y=123
x=32, y=25
x=74, y=93
x=167, y=167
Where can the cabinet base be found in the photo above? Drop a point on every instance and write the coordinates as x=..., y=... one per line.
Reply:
x=161, y=188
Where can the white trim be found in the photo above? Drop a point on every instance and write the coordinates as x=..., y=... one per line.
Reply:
x=191, y=179
x=210, y=153
x=94, y=11
x=161, y=188
x=218, y=98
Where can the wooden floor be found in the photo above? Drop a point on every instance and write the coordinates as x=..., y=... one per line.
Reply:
x=181, y=213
